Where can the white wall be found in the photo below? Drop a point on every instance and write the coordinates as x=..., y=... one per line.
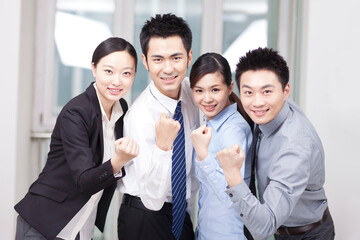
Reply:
x=9, y=65
x=17, y=19
x=329, y=96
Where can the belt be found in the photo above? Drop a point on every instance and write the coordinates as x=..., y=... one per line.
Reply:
x=135, y=202
x=303, y=229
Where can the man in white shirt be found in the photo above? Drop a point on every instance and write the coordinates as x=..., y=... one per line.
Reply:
x=146, y=211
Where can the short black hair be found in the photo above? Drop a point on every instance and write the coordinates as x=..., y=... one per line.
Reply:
x=113, y=44
x=166, y=25
x=263, y=59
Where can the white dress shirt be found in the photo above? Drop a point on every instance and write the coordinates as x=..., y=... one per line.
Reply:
x=148, y=176
x=84, y=220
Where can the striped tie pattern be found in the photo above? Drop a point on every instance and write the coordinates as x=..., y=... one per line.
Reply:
x=178, y=177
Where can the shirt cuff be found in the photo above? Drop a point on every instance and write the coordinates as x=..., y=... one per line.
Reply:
x=162, y=155
x=121, y=173
x=207, y=165
x=238, y=192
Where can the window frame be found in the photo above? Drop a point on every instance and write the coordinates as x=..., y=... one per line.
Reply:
x=288, y=44
x=43, y=121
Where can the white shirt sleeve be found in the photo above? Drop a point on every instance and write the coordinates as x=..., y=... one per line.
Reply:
x=151, y=169
x=148, y=176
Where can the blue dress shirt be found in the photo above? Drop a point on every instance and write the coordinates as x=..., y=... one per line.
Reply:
x=217, y=219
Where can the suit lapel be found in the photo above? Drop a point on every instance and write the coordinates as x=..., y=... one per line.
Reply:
x=91, y=92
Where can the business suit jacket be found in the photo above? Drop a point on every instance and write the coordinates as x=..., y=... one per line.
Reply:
x=74, y=170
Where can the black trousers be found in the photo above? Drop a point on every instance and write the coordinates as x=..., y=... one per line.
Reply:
x=136, y=223
x=26, y=232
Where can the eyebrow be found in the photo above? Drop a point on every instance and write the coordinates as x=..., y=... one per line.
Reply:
x=172, y=55
x=110, y=66
x=212, y=86
x=265, y=86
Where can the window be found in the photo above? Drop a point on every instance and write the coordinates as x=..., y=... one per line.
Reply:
x=245, y=27
x=64, y=52
x=79, y=27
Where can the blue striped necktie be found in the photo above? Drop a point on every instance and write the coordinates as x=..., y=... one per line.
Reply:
x=178, y=177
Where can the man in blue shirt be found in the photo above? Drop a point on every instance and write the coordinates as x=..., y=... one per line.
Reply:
x=289, y=160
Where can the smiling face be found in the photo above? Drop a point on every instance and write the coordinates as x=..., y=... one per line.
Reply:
x=167, y=63
x=114, y=75
x=262, y=95
x=211, y=94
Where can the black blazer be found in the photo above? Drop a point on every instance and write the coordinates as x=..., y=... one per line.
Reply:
x=74, y=170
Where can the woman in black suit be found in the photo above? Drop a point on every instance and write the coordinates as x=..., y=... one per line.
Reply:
x=73, y=192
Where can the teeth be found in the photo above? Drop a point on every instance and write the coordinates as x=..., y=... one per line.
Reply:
x=209, y=107
x=170, y=78
x=260, y=112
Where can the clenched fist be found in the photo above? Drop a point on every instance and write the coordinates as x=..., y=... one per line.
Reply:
x=231, y=159
x=166, y=132
x=200, y=139
x=125, y=150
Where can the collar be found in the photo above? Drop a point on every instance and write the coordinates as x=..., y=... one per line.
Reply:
x=167, y=102
x=116, y=112
x=90, y=92
x=222, y=116
x=270, y=127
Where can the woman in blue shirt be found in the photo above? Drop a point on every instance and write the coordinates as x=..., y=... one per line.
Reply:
x=210, y=80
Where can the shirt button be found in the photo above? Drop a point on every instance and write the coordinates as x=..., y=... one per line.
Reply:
x=241, y=215
x=230, y=194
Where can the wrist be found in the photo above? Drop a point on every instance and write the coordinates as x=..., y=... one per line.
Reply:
x=164, y=146
x=116, y=163
x=202, y=155
x=233, y=177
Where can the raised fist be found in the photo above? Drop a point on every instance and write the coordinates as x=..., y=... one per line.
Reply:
x=125, y=150
x=200, y=139
x=166, y=132
x=231, y=159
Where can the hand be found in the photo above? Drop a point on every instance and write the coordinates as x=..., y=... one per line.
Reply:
x=125, y=150
x=200, y=139
x=166, y=132
x=231, y=160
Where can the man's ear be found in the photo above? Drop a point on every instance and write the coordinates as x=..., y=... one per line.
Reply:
x=189, y=58
x=145, y=61
x=286, y=91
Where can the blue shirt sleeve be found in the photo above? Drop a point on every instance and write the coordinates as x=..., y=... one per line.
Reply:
x=209, y=170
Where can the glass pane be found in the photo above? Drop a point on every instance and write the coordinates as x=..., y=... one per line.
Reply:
x=80, y=25
x=190, y=10
x=245, y=27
